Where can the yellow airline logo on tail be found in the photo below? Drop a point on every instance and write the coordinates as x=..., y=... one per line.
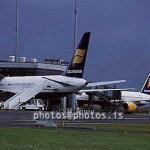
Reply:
x=79, y=56
x=148, y=85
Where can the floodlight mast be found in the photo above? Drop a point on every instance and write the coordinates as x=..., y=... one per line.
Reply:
x=17, y=34
x=75, y=22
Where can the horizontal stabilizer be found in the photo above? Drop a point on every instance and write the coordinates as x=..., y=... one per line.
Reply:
x=105, y=90
x=104, y=83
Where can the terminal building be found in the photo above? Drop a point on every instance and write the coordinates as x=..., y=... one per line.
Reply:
x=31, y=67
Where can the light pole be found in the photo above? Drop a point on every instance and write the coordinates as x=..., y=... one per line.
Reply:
x=17, y=34
x=75, y=22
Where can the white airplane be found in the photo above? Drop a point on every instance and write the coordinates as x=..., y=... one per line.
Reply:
x=134, y=99
x=24, y=88
x=131, y=99
x=92, y=88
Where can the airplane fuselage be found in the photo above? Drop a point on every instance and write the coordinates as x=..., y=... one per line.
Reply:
x=126, y=96
x=129, y=96
x=50, y=84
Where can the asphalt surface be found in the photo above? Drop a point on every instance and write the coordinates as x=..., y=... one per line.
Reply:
x=11, y=118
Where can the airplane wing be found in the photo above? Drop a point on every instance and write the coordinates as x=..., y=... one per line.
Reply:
x=105, y=90
x=23, y=96
x=93, y=84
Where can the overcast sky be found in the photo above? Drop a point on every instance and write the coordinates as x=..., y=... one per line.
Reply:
x=120, y=39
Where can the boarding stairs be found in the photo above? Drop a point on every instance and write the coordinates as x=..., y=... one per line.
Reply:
x=23, y=96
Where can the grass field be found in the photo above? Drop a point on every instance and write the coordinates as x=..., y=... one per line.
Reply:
x=117, y=137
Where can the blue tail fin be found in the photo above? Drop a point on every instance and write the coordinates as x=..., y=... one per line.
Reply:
x=76, y=66
x=146, y=87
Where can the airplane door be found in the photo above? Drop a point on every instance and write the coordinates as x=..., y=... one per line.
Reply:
x=49, y=85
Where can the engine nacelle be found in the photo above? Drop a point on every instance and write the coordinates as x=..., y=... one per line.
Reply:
x=129, y=107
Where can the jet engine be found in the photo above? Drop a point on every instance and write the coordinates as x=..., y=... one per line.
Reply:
x=129, y=107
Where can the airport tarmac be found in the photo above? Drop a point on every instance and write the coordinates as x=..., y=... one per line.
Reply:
x=11, y=118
